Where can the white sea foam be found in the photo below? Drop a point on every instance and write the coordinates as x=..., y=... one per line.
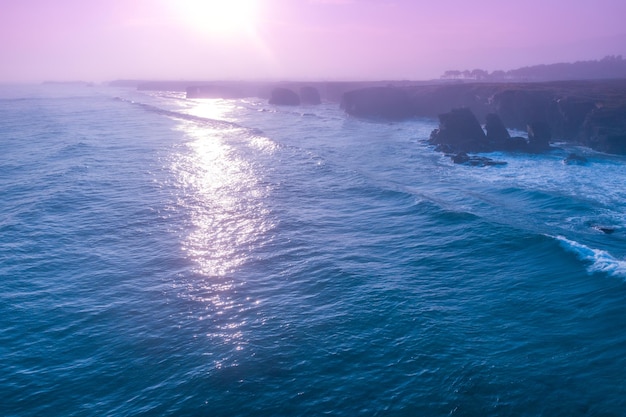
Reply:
x=599, y=260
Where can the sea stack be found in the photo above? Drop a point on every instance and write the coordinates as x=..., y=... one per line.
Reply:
x=284, y=97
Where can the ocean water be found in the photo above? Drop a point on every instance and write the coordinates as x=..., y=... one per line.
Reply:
x=173, y=257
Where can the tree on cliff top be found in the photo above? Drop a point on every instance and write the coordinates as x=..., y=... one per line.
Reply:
x=611, y=66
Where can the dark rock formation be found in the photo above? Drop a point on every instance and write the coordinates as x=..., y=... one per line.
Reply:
x=499, y=138
x=591, y=113
x=575, y=159
x=519, y=107
x=459, y=131
x=604, y=129
x=516, y=144
x=284, y=97
x=378, y=102
x=606, y=229
x=497, y=134
x=539, y=136
x=460, y=158
x=473, y=160
x=432, y=100
x=573, y=111
x=309, y=95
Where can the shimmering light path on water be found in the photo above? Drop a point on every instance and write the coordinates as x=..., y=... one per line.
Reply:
x=163, y=256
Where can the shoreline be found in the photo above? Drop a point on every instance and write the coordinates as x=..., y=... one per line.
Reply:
x=586, y=112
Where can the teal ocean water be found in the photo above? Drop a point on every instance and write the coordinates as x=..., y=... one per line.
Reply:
x=173, y=257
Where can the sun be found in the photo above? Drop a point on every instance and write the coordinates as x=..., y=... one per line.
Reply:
x=217, y=17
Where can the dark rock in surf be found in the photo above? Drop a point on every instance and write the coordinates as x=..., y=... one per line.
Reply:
x=459, y=131
x=473, y=160
x=539, y=136
x=516, y=144
x=460, y=158
x=284, y=97
x=575, y=159
x=499, y=138
x=606, y=230
x=497, y=134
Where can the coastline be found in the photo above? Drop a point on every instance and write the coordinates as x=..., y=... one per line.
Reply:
x=587, y=112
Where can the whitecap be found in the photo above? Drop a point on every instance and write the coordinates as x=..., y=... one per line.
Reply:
x=599, y=260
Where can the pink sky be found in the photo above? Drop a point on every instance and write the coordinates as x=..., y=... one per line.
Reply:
x=100, y=40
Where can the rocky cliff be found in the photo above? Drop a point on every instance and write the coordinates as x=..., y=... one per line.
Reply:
x=591, y=113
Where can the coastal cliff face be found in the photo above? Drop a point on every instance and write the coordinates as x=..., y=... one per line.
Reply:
x=590, y=113
x=310, y=95
x=604, y=129
x=378, y=102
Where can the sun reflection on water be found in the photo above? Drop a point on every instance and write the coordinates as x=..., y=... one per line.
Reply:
x=225, y=200
x=214, y=108
x=224, y=196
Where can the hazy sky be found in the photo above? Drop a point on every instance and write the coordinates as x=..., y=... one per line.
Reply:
x=99, y=40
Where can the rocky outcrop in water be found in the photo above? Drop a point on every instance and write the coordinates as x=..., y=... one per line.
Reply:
x=499, y=138
x=497, y=133
x=539, y=136
x=476, y=161
x=575, y=159
x=460, y=132
x=590, y=113
x=284, y=97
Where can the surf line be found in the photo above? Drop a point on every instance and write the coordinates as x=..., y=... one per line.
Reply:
x=178, y=115
x=599, y=260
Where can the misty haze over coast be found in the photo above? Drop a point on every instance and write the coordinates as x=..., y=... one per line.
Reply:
x=304, y=39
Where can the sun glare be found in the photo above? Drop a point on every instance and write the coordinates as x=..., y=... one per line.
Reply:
x=217, y=17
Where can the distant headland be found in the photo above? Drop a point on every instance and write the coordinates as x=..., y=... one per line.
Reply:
x=330, y=91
